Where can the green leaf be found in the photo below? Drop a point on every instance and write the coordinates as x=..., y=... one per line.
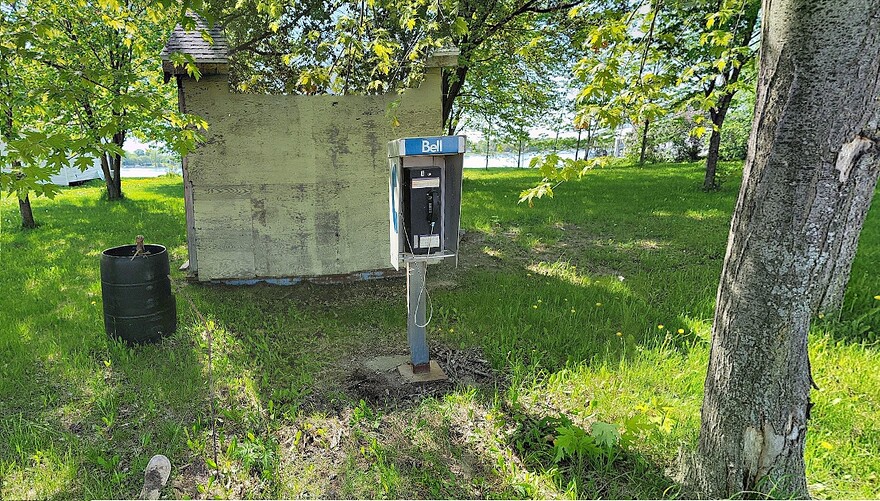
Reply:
x=605, y=434
x=382, y=51
x=528, y=195
x=460, y=26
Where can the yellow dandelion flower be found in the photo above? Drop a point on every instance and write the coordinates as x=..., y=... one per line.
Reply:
x=598, y=304
x=877, y=297
x=535, y=306
x=660, y=326
x=619, y=334
x=681, y=331
x=572, y=310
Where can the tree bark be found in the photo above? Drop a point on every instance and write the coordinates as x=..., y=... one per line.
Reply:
x=833, y=278
x=27, y=215
x=113, y=191
x=452, y=81
x=111, y=164
x=644, y=142
x=717, y=116
x=577, y=148
x=811, y=171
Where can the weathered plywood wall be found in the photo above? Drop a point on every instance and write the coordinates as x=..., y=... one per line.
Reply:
x=292, y=186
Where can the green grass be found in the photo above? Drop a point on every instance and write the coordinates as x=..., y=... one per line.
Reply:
x=565, y=301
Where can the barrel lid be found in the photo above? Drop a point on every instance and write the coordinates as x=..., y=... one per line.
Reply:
x=128, y=250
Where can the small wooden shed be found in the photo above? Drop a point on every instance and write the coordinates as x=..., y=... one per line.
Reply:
x=289, y=187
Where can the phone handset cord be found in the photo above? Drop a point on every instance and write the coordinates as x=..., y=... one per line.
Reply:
x=424, y=290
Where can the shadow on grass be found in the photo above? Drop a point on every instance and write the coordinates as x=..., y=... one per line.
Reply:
x=312, y=345
x=588, y=472
x=99, y=414
x=461, y=446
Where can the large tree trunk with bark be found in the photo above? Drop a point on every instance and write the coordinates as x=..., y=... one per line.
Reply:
x=717, y=116
x=811, y=171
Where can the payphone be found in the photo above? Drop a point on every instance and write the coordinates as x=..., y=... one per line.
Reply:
x=423, y=200
x=425, y=175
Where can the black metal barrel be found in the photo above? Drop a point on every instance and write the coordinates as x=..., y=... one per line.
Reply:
x=138, y=304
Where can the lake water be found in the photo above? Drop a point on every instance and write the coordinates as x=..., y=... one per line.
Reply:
x=478, y=161
x=147, y=171
x=471, y=161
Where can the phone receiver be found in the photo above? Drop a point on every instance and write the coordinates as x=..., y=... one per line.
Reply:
x=429, y=209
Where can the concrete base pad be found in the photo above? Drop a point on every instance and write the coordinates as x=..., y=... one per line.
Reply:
x=434, y=373
x=383, y=363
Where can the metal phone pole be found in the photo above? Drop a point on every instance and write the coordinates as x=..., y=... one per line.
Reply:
x=416, y=304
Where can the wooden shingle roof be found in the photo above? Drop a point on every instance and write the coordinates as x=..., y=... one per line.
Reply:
x=193, y=43
x=209, y=57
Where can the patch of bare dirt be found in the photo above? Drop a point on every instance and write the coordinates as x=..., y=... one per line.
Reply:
x=189, y=476
x=386, y=388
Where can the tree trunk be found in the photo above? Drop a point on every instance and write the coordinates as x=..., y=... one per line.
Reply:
x=710, y=181
x=488, y=139
x=717, y=116
x=27, y=215
x=113, y=192
x=589, y=141
x=811, y=171
x=519, y=155
x=451, y=82
x=117, y=174
x=24, y=203
x=719, y=112
x=111, y=164
x=644, y=142
x=577, y=148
